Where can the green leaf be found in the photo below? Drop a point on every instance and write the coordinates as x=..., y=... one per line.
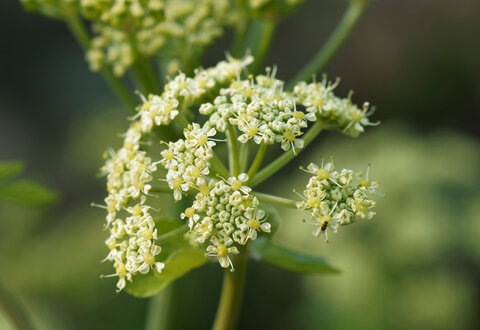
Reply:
x=179, y=258
x=287, y=259
x=9, y=169
x=27, y=193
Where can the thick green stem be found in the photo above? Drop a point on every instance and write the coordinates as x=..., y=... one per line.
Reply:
x=337, y=38
x=158, y=310
x=286, y=157
x=233, y=160
x=231, y=295
x=275, y=201
x=258, y=160
x=78, y=29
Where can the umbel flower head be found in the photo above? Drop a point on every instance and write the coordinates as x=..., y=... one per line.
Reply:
x=223, y=213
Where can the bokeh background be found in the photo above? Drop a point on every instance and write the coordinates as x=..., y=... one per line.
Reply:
x=416, y=266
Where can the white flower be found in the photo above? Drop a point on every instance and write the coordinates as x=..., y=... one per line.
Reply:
x=222, y=251
x=236, y=184
x=255, y=221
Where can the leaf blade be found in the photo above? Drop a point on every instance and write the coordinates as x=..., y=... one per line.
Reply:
x=287, y=259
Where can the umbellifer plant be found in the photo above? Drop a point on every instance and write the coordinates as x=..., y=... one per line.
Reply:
x=215, y=127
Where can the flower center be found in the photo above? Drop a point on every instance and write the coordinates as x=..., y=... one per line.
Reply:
x=177, y=183
x=147, y=233
x=137, y=210
x=189, y=212
x=121, y=271
x=253, y=223
x=298, y=115
x=325, y=219
x=237, y=184
x=252, y=130
x=323, y=174
x=196, y=172
x=289, y=136
x=202, y=139
x=313, y=202
x=149, y=259
x=356, y=115
x=204, y=190
x=168, y=155
x=318, y=102
x=222, y=251
x=365, y=183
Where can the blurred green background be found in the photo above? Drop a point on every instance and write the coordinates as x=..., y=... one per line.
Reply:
x=415, y=266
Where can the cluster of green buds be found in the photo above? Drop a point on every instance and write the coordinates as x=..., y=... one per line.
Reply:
x=223, y=213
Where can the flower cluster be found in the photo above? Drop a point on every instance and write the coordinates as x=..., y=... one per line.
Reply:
x=265, y=113
x=127, y=29
x=129, y=170
x=223, y=212
x=338, y=113
x=182, y=92
x=336, y=198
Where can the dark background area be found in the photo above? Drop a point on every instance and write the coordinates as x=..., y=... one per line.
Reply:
x=416, y=61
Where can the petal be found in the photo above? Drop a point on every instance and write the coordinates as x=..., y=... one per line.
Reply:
x=266, y=227
x=260, y=214
x=243, y=177
x=159, y=266
x=224, y=262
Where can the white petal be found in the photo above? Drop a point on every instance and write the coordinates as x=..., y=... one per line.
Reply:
x=260, y=214
x=243, y=177
x=224, y=262
x=159, y=266
x=266, y=227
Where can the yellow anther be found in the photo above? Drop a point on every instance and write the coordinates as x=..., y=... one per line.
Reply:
x=139, y=185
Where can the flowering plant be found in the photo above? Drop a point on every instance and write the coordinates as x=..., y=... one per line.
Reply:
x=200, y=144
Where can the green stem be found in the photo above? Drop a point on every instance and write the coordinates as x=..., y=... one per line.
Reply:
x=286, y=157
x=233, y=161
x=78, y=29
x=158, y=310
x=275, y=201
x=258, y=160
x=231, y=295
x=174, y=233
x=244, y=155
x=337, y=38
x=268, y=28
x=219, y=166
